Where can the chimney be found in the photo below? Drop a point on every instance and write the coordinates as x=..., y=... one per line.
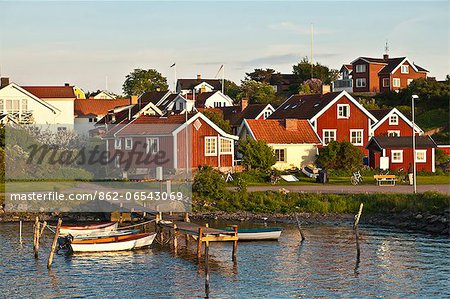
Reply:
x=290, y=124
x=4, y=82
x=134, y=100
x=244, y=103
x=386, y=56
x=66, y=84
x=199, y=77
x=325, y=88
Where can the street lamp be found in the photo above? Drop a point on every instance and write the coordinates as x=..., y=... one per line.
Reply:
x=414, y=97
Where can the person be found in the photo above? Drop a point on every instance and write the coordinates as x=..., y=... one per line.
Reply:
x=410, y=174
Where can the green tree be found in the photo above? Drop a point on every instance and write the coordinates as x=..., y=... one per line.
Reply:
x=209, y=183
x=311, y=86
x=340, y=155
x=256, y=154
x=140, y=81
x=263, y=75
x=258, y=92
x=303, y=71
x=231, y=89
x=217, y=118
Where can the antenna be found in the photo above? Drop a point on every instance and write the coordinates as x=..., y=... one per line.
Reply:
x=386, y=48
x=311, y=57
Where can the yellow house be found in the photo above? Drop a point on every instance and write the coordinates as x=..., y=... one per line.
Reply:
x=293, y=141
x=79, y=93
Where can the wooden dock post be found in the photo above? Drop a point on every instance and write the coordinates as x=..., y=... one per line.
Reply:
x=207, y=269
x=55, y=240
x=356, y=231
x=300, y=229
x=199, y=243
x=20, y=232
x=174, y=238
x=235, y=243
x=44, y=225
x=186, y=217
x=36, y=237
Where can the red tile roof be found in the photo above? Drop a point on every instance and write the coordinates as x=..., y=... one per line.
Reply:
x=48, y=92
x=154, y=125
x=97, y=106
x=274, y=131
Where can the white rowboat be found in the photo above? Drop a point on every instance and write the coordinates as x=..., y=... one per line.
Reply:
x=76, y=230
x=116, y=243
x=258, y=234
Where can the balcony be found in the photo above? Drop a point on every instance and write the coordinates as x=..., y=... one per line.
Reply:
x=341, y=85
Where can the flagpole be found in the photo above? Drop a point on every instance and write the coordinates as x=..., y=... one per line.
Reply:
x=223, y=79
x=175, y=78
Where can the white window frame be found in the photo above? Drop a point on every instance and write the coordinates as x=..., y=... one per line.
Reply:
x=267, y=113
x=361, y=68
x=222, y=140
x=361, y=80
x=328, y=131
x=424, y=160
x=347, y=108
x=400, y=160
x=128, y=147
x=118, y=143
x=404, y=69
x=150, y=141
x=393, y=133
x=277, y=154
x=396, y=82
x=361, y=143
x=388, y=80
x=210, y=153
x=393, y=120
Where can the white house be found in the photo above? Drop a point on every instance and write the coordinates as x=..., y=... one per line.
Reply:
x=199, y=85
x=104, y=95
x=213, y=99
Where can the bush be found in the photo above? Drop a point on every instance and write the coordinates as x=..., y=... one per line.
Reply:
x=340, y=155
x=209, y=183
x=256, y=154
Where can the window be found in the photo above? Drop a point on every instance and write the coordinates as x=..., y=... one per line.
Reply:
x=1, y=105
x=267, y=113
x=152, y=145
x=328, y=136
x=397, y=156
x=118, y=143
x=343, y=111
x=393, y=119
x=361, y=82
x=386, y=82
x=393, y=133
x=61, y=129
x=210, y=146
x=280, y=154
x=225, y=146
x=356, y=137
x=24, y=105
x=405, y=69
x=12, y=106
x=360, y=68
x=218, y=104
x=128, y=143
x=396, y=82
x=409, y=81
x=421, y=156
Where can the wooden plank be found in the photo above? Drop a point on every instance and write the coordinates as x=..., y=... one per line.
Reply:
x=219, y=238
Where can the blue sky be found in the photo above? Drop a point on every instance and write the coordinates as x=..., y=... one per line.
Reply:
x=85, y=42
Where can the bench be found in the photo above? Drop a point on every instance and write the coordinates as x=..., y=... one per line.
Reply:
x=385, y=179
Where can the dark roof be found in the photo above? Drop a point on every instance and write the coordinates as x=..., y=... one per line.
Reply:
x=392, y=63
x=47, y=92
x=379, y=113
x=420, y=69
x=191, y=83
x=201, y=98
x=373, y=60
x=235, y=115
x=168, y=100
x=303, y=106
x=153, y=96
x=383, y=142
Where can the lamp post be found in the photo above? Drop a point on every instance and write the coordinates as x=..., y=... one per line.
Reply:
x=414, y=97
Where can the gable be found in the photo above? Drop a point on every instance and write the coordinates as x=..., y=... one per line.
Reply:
x=401, y=117
x=14, y=90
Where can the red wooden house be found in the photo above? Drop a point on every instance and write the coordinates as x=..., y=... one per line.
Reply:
x=391, y=122
x=394, y=153
x=150, y=141
x=334, y=116
x=384, y=74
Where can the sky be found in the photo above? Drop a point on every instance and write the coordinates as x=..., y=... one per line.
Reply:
x=94, y=45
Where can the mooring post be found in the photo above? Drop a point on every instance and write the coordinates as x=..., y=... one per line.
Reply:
x=207, y=269
x=42, y=229
x=174, y=236
x=20, y=232
x=299, y=228
x=199, y=243
x=235, y=243
x=356, y=231
x=186, y=217
x=36, y=237
x=55, y=240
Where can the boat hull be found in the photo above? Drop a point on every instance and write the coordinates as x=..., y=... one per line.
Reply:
x=259, y=236
x=88, y=229
x=124, y=244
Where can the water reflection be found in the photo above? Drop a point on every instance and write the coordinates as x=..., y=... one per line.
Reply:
x=391, y=264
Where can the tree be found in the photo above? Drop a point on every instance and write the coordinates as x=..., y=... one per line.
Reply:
x=311, y=86
x=258, y=92
x=209, y=183
x=261, y=75
x=303, y=71
x=217, y=118
x=140, y=81
x=340, y=155
x=231, y=89
x=256, y=154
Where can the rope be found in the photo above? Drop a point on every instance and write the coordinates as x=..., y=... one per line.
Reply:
x=53, y=231
x=139, y=224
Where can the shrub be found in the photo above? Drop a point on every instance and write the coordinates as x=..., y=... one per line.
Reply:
x=340, y=155
x=209, y=183
x=256, y=154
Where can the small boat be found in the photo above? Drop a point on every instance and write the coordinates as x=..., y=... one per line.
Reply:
x=112, y=233
x=76, y=230
x=258, y=234
x=311, y=171
x=115, y=243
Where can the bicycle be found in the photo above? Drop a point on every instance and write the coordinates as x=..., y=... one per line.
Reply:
x=356, y=178
x=227, y=177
